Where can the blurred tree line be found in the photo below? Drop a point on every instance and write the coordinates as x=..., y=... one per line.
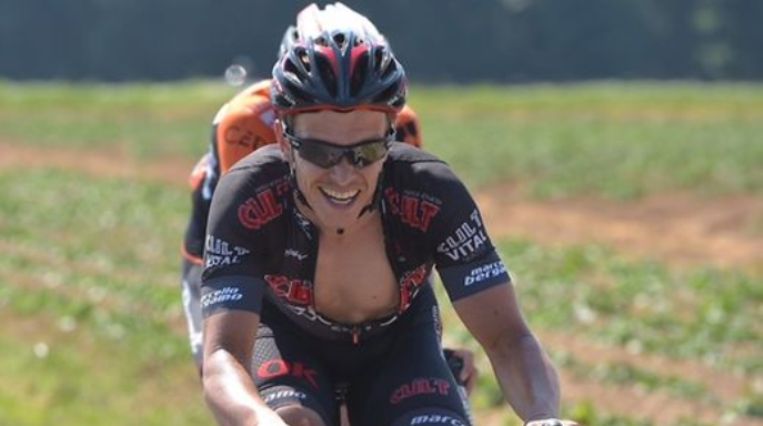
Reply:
x=437, y=40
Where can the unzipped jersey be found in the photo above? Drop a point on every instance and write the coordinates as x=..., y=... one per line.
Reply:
x=259, y=245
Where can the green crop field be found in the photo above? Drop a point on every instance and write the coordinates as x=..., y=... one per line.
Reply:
x=93, y=331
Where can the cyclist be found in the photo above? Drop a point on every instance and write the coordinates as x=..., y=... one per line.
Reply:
x=239, y=128
x=319, y=253
x=242, y=125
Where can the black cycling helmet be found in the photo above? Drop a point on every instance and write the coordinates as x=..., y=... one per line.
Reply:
x=336, y=60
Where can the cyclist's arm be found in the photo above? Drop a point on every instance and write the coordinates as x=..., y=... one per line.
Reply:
x=232, y=290
x=527, y=378
x=482, y=293
x=228, y=387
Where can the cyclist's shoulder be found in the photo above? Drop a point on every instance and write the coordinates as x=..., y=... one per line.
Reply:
x=406, y=114
x=251, y=198
x=255, y=95
x=243, y=125
x=407, y=127
x=407, y=161
x=263, y=162
x=422, y=175
x=403, y=153
x=252, y=103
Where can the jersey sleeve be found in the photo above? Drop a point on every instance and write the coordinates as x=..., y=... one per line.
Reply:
x=466, y=259
x=235, y=249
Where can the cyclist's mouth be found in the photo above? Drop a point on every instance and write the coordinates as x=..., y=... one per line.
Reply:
x=340, y=198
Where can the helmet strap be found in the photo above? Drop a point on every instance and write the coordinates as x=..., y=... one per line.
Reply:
x=293, y=179
x=376, y=199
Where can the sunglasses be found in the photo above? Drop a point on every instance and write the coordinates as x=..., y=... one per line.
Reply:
x=326, y=154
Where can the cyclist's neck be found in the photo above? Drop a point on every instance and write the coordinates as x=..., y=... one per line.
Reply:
x=361, y=224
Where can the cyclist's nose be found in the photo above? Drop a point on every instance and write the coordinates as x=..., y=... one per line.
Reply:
x=342, y=173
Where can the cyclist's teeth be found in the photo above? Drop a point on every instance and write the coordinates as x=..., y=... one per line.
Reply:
x=340, y=196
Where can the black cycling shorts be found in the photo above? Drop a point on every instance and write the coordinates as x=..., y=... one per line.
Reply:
x=398, y=376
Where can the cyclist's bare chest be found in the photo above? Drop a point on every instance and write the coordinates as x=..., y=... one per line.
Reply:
x=354, y=281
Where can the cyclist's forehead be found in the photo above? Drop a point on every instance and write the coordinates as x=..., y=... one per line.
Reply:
x=341, y=128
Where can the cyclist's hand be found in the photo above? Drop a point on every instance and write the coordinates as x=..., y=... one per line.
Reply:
x=469, y=372
x=551, y=422
x=270, y=417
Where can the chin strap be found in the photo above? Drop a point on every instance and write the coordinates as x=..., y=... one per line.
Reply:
x=293, y=181
x=376, y=199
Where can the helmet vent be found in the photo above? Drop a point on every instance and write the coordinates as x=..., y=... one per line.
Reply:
x=289, y=67
x=298, y=95
x=388, y=94
x=304, y=58
x=378, y=59
x=326, y=72
x=321, y=41
x=359, y=74
x=340, y=40
x=391, y=68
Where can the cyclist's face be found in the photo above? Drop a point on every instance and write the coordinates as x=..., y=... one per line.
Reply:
x=338, y=193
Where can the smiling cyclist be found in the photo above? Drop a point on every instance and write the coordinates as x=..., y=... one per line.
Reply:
x=320, y=250
x=241, y=126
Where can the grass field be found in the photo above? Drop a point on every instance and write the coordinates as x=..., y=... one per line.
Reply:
x=93, y=204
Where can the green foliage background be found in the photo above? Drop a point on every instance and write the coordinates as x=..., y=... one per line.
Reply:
x=92, y=328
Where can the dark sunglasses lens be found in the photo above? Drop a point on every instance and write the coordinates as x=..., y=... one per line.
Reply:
x=320, y=155
x=369, y=152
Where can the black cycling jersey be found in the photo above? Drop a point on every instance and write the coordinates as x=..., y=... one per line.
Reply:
x=392, y=377
x=259, y=243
